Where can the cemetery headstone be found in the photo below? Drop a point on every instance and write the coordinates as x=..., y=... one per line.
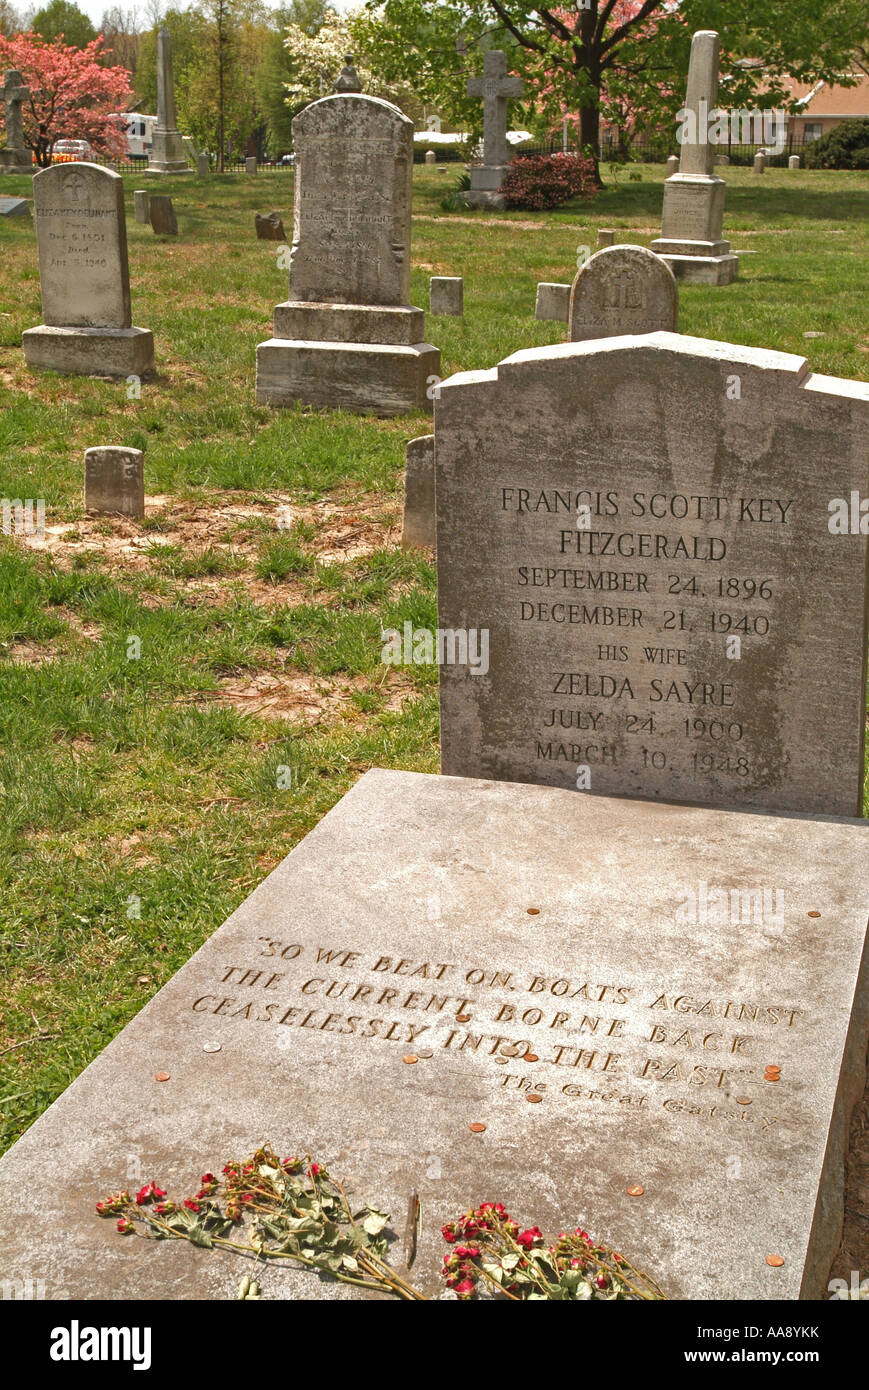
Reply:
x=722, y=159
x=430, y=157
x=793, y=161
x=623, y=289
x=161, y=214
x=691, y=238
x=141, y=207
x=15, y=157
x=202, y=165
x=606, y=237
x=81, y=236
x=250, y=165
x=496, y=88
x=347, y=337
x=399, y=932
x=114, y=480
x=672, y=165
x=270, y=227
x=667, y=605
x=14, y=207
x=553, y=301
x=760, y=163
x=167, y=148
x=419, y=492
x=446, y=294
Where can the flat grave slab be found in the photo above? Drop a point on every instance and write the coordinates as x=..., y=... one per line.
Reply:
x=604, y=942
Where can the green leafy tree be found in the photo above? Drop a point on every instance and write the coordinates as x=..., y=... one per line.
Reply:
x=278, y=68
x=63, y=18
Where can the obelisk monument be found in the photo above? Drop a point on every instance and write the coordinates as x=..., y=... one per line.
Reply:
x=167, y=151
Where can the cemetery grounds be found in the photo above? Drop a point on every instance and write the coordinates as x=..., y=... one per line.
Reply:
x=147, y=787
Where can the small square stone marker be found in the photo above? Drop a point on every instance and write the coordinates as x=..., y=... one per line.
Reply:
x=419, y=492
x=793, y=161
x=250, y=165
x=446, y=295
x=141, y=206
x=114, y=480
x=553, y=301
x=202, y=165
x=606, y=236
x=647, y=1025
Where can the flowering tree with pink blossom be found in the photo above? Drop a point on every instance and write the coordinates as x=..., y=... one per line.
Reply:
x=72, y=95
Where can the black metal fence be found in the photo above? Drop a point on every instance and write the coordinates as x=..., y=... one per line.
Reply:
x=650, y=152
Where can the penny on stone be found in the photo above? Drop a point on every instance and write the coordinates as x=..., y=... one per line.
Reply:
x=743, y=1100
x=476, y=1127
x=211, y=1047
x=425, y=1052
x=774, y=1261
x=533, y=1098
x=510, y=1050
x=533, y=911
x=410, y=1058
x=463, y=1018
x=814, y=914
x=635, y=1191
x=161, y=1076
x=530, y=1057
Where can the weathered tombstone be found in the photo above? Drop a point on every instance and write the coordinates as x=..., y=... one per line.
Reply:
x=15, y=158
x=162, y=215
x=446, y=294
x=606, y=237
x=672, y=165
x=418, y=526
x=430, y=157
x=114, y=480
x=635, y=567
x=347, y=338
x=141, y=206
x=623, y=289
x=270, y=227
x=14, y=207
x=81, y=236
x=722, y=158
x=793, y=161
x=167, y=149
x=496, y=89
x=553, y=301
x=250, y=165
x=691, y=238
x=642, y=1030
x=760, y=163
x=202, y=165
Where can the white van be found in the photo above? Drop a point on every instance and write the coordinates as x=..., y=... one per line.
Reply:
x=139, y=130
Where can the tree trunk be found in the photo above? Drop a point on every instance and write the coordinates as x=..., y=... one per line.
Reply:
x=589, y=135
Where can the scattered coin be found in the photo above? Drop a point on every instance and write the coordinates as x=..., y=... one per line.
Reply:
x=742, y=1100
x=411, y=1057
x=476, y=1127
x=775, y=1261
x=502, y=1061
x=530, y=1057
x=814, y=914
x=211, y=1047
x=463, y=1018
x=425, y=1052
x=533, y=1098
x=510, y=1050
x=636, y=1191
x=161, y=1076
x=533, y=911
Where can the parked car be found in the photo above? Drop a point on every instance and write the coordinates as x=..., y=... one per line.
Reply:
x=66, y=150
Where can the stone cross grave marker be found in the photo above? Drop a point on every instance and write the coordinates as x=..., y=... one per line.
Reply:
x=643, y=526
x=496, y=88
x=15, y=158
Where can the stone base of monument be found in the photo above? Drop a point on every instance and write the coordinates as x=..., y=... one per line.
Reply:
x=16, y=162
x=173, y=167
x=381, y=378
x=486, y=181
x=89, y=351
x=400, y=324
x=167, y=154
x=701, y=270
x=693, y=1063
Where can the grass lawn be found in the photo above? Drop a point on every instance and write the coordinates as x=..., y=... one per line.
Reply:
x=142, y=799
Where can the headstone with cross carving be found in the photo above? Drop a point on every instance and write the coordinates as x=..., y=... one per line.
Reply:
x=81, y=236
x=348, y=336
x=691, y=239
x=496, y=88
x=15, y=158
x=622, y=289
x=167, y=150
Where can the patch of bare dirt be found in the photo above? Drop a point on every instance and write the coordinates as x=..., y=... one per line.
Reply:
x=23, y=653
x=300, y=698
